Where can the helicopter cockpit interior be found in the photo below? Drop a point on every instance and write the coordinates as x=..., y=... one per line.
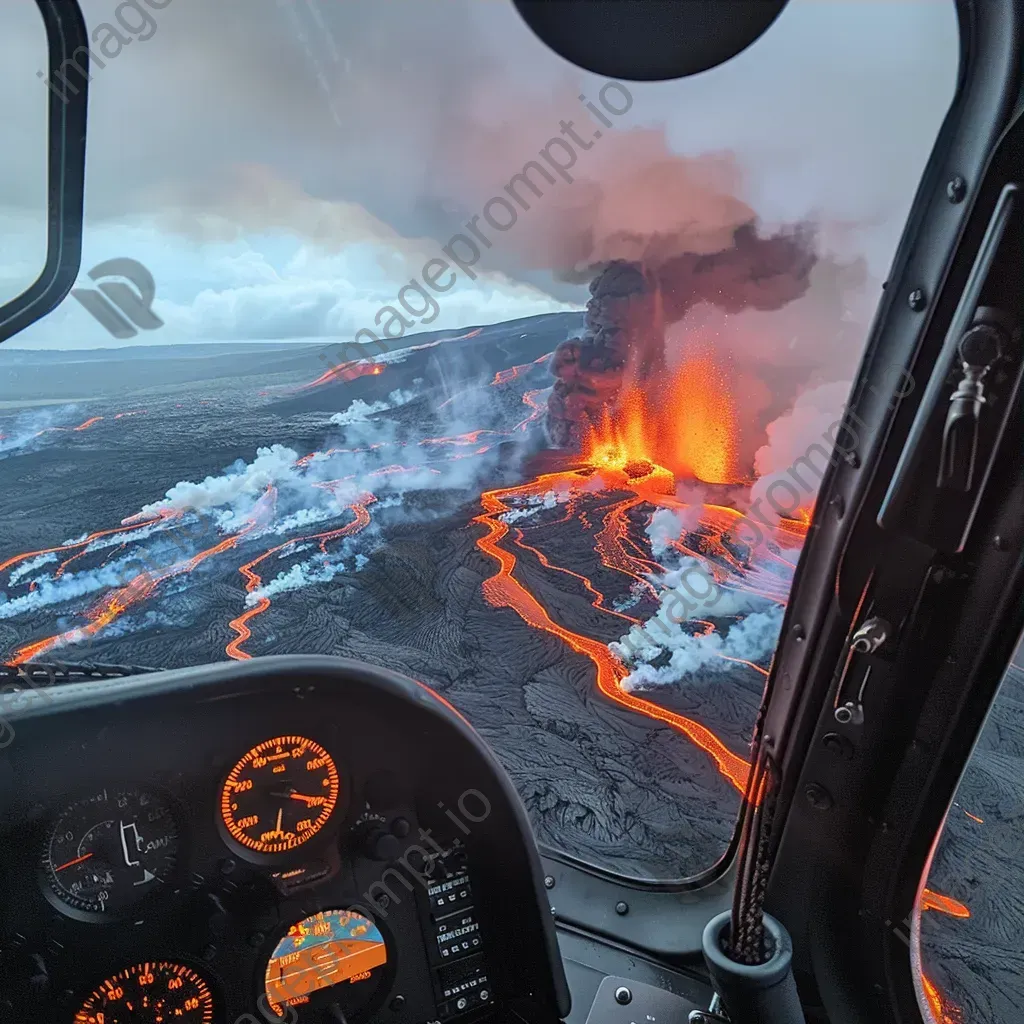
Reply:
x=623, y=629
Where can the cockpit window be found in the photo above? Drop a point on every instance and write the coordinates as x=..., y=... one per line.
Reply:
x=968, y=920
x=399, y=338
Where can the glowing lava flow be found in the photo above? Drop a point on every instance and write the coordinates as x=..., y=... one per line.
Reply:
x=91, y=422
x=503, y=590
x=240, y=625
x=352, y=368
x=944, y=1010
x=71, y=545
x=946, y=904
x=140, y=587
x=345, y=371
x=510, y=374
x=538, y=408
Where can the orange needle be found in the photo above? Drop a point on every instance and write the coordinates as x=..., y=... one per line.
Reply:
x=299, y=796
x=72, y=863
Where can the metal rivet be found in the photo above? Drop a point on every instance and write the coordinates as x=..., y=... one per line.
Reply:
x=798, y=632
x=396, y=1004
x=622, y=907
x=818, y=797
x=916, y=300
x=623, y=995
x=999, y=542
x=956, y=189
x=837, y=744
x=549, y=882
x=838, y=505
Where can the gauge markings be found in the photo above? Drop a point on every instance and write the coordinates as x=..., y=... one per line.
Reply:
x=152, y=991
x=259, y=797
x=107, y=850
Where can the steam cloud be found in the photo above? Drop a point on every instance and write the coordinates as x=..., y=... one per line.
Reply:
x=751, y=639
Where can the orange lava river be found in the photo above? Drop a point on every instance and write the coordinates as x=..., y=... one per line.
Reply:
x=503, y=590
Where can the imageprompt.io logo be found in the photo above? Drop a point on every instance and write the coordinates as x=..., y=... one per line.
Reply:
x=120, y=308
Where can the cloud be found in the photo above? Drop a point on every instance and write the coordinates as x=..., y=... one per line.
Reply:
x=263, y=146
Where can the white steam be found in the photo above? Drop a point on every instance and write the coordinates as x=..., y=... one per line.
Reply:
x=753, y=638
x=360, y=411
x=791, y=465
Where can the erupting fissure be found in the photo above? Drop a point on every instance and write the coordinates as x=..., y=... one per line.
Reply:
x=623, y=348
x=681, y=427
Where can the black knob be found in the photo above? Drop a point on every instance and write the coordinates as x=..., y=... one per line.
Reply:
x=381, y=845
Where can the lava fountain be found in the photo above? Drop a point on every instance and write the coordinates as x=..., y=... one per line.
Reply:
x=620, y=372
x=683, y=426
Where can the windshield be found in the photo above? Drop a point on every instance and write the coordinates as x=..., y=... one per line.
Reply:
x=398, y=338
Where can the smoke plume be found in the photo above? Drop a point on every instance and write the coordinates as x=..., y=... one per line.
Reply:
x=633, y=303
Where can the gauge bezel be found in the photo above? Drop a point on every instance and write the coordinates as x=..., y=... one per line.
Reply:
x=329, y=832
x=201, y=970
x=155, y=894
x=318, y=999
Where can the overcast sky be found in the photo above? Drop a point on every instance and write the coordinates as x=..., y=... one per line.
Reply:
x=283, y=167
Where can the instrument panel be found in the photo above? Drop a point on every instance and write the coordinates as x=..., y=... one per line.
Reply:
x=215, y=858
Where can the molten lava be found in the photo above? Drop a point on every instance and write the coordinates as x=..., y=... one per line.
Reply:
x=946, y=904
x=141, y=586
x=503, y=590
x=683, y=427
x=240, y=625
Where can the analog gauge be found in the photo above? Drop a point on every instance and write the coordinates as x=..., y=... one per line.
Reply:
x=148, y=994
x=280, y=794
x=109, y=849
x=336, y=950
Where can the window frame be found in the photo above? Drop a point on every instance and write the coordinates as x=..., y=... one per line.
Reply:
x=846, y=873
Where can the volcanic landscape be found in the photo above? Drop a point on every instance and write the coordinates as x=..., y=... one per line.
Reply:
x=169, y=506
x=213, y=509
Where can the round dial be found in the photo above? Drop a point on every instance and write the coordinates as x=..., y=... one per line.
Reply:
x=109, y=849
x=150, y=993
x=280, y=794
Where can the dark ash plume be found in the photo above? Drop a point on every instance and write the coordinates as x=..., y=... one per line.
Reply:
x=631, y=304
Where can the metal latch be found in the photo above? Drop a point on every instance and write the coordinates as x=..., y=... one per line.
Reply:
x=714, y=1014
x=868, y=638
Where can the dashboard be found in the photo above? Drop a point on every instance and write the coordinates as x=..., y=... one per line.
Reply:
x=304, y=839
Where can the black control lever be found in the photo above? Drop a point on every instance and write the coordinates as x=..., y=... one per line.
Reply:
x=979, y=350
